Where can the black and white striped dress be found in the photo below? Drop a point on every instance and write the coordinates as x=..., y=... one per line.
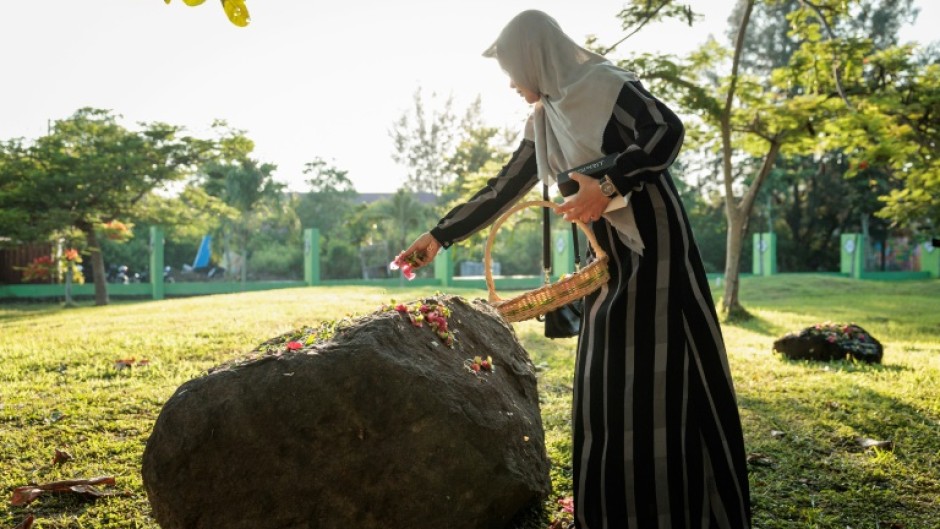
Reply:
x=657, y=436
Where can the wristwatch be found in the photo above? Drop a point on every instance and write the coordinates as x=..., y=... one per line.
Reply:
x=607, y=187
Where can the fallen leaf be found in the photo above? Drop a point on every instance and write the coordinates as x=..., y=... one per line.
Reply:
x=865, y=442
x=124, y=363
x=60, y=457
x=26, y=524
x=83, y=487
x=760, y=460
x=24, y=495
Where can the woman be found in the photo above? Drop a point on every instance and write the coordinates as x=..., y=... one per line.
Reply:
x=657, y=436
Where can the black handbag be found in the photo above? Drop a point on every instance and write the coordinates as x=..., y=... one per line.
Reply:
x=565, y=321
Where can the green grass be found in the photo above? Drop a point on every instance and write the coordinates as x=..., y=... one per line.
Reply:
x=59, y=389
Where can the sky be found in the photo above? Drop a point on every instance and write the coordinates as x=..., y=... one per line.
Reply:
x=306, y=79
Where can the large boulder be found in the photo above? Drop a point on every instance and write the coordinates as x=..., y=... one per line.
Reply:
x=831, y=341
x=373, y=423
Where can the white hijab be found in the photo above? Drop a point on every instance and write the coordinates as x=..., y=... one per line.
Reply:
x=578, y=87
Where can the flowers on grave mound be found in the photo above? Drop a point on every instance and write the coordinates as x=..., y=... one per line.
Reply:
x=434, y=315
x=480, y=365
x=116, y=230
x=836, y=332
x=831, y=341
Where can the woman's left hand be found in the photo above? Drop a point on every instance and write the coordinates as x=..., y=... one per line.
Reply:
x=588, y=204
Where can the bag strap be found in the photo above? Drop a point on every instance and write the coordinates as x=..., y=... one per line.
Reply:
x=547, y=242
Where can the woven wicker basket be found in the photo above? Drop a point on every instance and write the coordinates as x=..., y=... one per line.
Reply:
x=553, y=295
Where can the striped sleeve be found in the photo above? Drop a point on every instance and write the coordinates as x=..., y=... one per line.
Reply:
x=657, y=134
x=512, y=182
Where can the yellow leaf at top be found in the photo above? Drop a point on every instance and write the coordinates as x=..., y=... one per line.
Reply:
x=193, y=3
x=237, y=12
x=167, y=2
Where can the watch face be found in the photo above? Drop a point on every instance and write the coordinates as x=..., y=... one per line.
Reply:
x=607, y=187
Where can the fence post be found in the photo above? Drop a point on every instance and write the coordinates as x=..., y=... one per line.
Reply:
x=443, y=268
x=563, y=252
x=930, y=259
x=156, y=262
x=765, y=254
x=311, y=256
x=853, y=247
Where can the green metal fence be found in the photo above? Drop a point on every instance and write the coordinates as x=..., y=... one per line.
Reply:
x=765, y=253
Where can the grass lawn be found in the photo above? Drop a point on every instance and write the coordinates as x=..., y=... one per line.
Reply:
x=59, y=388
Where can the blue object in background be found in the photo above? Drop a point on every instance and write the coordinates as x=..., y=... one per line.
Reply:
x=202, y=256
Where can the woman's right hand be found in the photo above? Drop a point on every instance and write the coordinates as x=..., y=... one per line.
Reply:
x=423, y=250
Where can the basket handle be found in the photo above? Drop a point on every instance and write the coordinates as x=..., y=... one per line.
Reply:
x=487, y=254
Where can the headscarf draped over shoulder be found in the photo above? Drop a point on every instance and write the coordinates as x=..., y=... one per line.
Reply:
x=578, y=87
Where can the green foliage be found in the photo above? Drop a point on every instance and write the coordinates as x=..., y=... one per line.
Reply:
x=88, y=170
x=330, y=202
x=898, y=132
x=341, y=261
x=398, y=219
x=424, y=143
x=440, y=149
x=235, y=10
x=248, y=188
x=808, y=78
x=277, y=260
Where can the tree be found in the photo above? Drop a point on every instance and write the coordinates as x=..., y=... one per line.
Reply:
x=748, y=118
x=807, y=198
x=897, y=129
x=402, y=216
x=330, y=206
x=244, y=184
x=425, y=144
x=331, y=199
x=87, y=171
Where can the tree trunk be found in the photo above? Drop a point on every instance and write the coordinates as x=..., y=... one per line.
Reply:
x=730, y=304
x=244, y=270
x=68, y=285
x=97, y=266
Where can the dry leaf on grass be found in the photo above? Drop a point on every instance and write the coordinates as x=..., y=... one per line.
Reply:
x=81, y=487
x=761, y=460
x=60, y=457
x=125, y=363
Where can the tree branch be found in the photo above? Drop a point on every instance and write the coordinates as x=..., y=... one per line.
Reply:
x=836, y=70
x=725, y=117
x=647, y=18
x=747, y=201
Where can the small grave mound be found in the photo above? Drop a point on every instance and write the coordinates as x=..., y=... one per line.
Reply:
x=831, y=341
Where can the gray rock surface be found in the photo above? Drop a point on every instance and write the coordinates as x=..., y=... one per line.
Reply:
x=381, y=425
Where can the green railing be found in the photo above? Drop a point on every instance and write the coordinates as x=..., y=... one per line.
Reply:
x=765, y=254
